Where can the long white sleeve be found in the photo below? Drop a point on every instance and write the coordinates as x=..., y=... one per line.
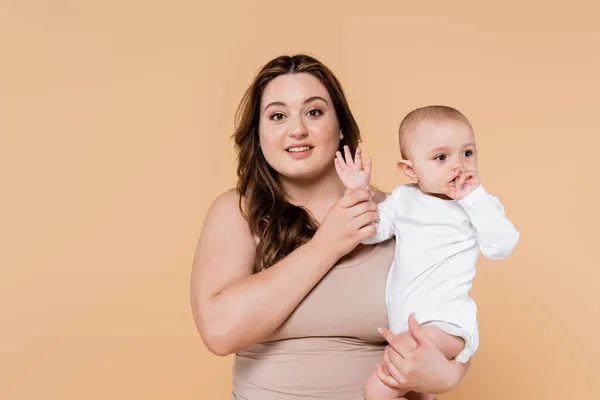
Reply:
x=496, y=235
x=386, y=211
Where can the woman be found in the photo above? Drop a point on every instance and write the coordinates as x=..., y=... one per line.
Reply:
x=280, y=277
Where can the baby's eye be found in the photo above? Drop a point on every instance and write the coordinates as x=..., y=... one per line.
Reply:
x=440, y=157
x=468, y=153
x=315, y=112
x=277, y=116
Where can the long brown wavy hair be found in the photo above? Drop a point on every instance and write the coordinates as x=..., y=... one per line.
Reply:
x=279, y=225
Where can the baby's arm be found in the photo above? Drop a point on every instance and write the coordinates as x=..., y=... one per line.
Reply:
x=496, y=235
x=377, y=390
x=356, y=176
x=385, y=224
x=448, y=344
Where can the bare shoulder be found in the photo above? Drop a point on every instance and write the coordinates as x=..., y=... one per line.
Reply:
x=225, y=227
x=224, y=217
x=227, y=201
x=226, y=205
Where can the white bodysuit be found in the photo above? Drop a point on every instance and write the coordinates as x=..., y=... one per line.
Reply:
x=437, y=245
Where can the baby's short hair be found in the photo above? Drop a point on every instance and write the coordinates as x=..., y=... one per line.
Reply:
x=433, y=113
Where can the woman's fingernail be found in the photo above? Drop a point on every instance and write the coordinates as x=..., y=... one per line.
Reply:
x=380, y=330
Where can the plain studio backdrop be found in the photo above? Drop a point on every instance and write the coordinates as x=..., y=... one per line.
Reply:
x=115, y=124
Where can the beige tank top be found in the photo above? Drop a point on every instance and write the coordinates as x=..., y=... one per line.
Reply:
x=329, y=345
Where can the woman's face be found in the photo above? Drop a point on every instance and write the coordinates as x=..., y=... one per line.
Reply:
x=298, y=128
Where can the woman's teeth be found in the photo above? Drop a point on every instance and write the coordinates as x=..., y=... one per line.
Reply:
x=298, y=149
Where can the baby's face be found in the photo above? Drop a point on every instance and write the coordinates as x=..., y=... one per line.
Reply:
x=435, y=148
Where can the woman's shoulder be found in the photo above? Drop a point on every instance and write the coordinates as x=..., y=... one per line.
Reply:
x=225, y=204
x=226, y=201
x=226, y=211
x=228, y=196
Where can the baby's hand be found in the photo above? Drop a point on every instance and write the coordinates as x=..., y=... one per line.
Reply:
x=463, y=185
x=352, y=173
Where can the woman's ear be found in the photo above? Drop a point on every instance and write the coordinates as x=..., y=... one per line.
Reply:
x=406, y=167
x=341, y=135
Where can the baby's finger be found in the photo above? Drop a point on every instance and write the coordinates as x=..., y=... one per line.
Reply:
x=338, y=167
x=368, y=166
x=450, y=191
x=358, y=158
x=340, y=160
x=470, y=175
x=348, y=155
x=460, y=181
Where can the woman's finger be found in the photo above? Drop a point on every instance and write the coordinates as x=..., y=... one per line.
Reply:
x=396, y=359
x=400, y=343
x=354, y=197
x=415, y=330
x=365, y=219
x=361, y=208
x=386, y=378
x=393, y=371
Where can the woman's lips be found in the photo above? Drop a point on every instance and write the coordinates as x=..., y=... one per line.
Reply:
x=299, y=152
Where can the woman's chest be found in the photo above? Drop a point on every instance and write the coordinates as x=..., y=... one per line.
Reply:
x=348, y=302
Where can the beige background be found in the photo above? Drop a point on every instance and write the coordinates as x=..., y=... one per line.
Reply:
x=115, y=119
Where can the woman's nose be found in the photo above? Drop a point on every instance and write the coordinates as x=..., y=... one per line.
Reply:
x=297, y=128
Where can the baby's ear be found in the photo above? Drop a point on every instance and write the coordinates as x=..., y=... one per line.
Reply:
x=406, y=167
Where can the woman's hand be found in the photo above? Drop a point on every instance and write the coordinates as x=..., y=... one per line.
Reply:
x=347, y=222
x=412, y=362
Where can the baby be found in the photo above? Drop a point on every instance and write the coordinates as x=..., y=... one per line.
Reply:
x=440, y=221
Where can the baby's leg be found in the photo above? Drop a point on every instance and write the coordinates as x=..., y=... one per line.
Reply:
x=377, y=390
x=448, y=344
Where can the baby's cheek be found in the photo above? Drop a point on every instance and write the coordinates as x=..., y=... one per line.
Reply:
x=435, y=177
x=471, y=164
x=431, y=183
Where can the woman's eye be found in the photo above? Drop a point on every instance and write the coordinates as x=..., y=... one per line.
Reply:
x=277, y=117
x=315, y=112
x=440, y=157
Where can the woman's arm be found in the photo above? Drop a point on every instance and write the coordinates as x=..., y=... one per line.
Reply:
x=233, y=307
x=417, y=364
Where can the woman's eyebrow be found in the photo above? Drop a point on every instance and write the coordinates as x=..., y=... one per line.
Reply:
x=308, y=100
x=312, y=98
